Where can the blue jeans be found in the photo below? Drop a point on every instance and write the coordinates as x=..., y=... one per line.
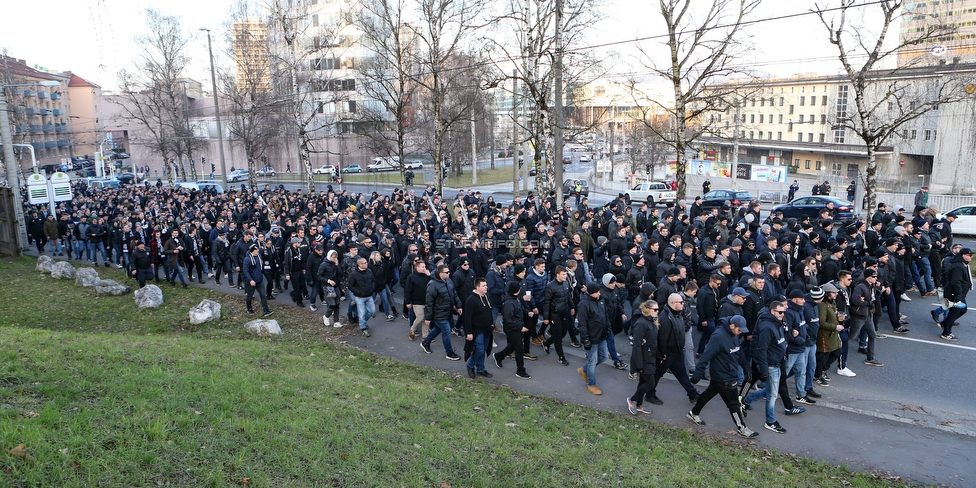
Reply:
x=442, y=327
x=477, y=359
x=811, y=367
x=384, y=296
x=844, y=336
x=173, y=273
x=706, y=333
x=365, y=307
x=56, y=246
x=93, y=250
x=799, y=361
x=612, y=348
x=80, y=247
x=923, y=268
x=597, y=354
x=769, y=391
x=858, y=325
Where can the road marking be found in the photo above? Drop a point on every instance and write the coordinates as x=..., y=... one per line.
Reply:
x=892, y=336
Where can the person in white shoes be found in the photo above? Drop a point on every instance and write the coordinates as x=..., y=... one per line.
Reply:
x=723, y=357
x=828, y=335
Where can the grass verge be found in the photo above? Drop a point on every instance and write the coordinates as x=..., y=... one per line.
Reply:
x=100, y=394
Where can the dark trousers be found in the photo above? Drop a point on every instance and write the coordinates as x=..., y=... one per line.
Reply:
x=143, y=275
x=935, y=258
x=728, y=391
x=645, y=383
x=268, y=284
x=824, y=360
x=515, y=341
x=298, y=291
x=558, y=325
x=249, y=294
x=951, y=318
x=675, y=363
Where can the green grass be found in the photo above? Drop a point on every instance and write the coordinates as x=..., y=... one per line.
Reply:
x=101, y=394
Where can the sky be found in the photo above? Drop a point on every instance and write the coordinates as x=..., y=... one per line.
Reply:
x=94, y=38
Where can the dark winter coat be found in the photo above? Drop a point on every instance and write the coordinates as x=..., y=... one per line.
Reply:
x=723, y=354
x=592, y=316
x=644, y=353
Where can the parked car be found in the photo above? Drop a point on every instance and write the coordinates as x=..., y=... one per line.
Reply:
x=265, y=171
x=353, y=168
x=324, y=170
x=103, y=183
x=86, y=173
x=811, y=206
x=415, y=165
x=585, y=158
x=384, y=164
x=965, y=223
x=717, y=198
x=652, y=192
x=569, y=187
x=533, y=171
x=126, y=178
x=237, y=175
x=567, y=160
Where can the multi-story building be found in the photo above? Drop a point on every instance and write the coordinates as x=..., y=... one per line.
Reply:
x=86, y=115
x=954, y=41
x=252, y=55
x=39, y=115
x=796, y=122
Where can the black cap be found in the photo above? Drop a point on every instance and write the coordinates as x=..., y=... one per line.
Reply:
x=674, y=271
x=836, y=248
x=966, y=250
x=592, y=288
x=512, y=288
x=797, y=294
x=870, y=272
x=518, y=268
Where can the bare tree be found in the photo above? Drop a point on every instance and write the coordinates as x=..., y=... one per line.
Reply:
x=703, y=43
x=391, y=42
x=310, y=58
x=257, y=111
x=154, y=94
x=884, y=99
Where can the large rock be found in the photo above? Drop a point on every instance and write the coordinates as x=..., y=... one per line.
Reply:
x=263, y=328
x=149, y=296
x=86, y=277
x=110, y=287
x=44, y=263
x=206, y=311
x=63, y=270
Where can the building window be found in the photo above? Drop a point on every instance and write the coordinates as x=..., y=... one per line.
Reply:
x=752, y=118
x=839, y=134
x=891, y=105
x=742, y=134
x=813, y=119
x=911, y=105
x=799, y=137
x=791, y=109
x=761, y=117
x=781, y=100
x=803, y=101
x=852, y=171
x=935, y=133
x=779, y=136
x=780, y=118
x=807, y=164
x=789, y=127
x=810, y=137
x=823, y=119
x=819, y=165
x=842, y=93
x=762, y=102
x=928, y=135
x=823, y=137
x=760, y=134
x=315, y=20
x=753, y=102
x=796, y=163
x=751, y=134
x=823, y=100
x=914, y=134
x=801, y=118
x=352, y=106
x=904, y=133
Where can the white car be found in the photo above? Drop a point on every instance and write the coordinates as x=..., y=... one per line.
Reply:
x=652, y=192
x=414, y=165
x=265, y=171
x=584, y=158
x=384, y=164
x=965, y=223
x=324, y=170
x=237, y=175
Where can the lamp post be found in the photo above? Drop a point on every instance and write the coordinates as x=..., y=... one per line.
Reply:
x=10, y=166
x=220, y=132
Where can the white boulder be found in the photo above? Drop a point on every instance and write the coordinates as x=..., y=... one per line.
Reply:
x=44, y=263
x=63, y=270
x=86, y=277
x=149, y=296
x=110, y=287
x=263, y=328
x=206, y=311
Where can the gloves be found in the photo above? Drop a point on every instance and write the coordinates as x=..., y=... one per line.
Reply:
x=764, y=377
x=587, y=345
x=961, y=305
x=695, y=378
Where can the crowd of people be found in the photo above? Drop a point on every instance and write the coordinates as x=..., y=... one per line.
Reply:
x=726, y=293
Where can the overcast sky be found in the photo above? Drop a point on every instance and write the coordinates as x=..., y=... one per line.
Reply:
x=93, y=38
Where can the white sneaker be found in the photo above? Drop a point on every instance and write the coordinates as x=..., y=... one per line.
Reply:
x=846, y=372
x=210, y=274
x=904, y=297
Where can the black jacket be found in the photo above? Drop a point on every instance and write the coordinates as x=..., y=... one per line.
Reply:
x=439, y=300
x=862, y=300
x=361, y=283
x=958, y=281
x=329, y=271
x=707, y=305
x=671, y=335
x=557, y=299
x=477, y=314
x=769, y=343
x=723, y=355
x=644, y=353
x=512, y=314
x=415, y=290
x=312, y=266
x=593, y=324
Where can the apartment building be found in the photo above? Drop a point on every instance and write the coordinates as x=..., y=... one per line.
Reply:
x=39, y=115
x=955, y=44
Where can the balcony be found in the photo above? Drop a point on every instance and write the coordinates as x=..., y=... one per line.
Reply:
x=62, y=143
x=32, y=111
x=42, y=95
x=50, y=144
x=34, y=127
x=30, y=93
x=61, y=128
x=55, y=96
x=45, y=111
x=58, y=111
x=47, y=127
x=37, y=145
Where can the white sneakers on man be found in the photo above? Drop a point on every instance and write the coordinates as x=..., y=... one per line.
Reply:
x=846, y=372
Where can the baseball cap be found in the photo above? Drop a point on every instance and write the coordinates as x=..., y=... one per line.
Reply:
x=740, y=322
x=966, y=250
x=739, y=291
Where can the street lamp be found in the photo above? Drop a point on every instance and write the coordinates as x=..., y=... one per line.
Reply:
x=220, y=132
x=10, y=166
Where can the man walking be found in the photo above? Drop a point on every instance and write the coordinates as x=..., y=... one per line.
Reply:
x=769, y=351
x=514, y=325
x=724, y=357
x=477, y=328
x=670, y=348
x=253, y=276
x=594, y=329
x=958, y=283
x=440, y=302
x=361, y=283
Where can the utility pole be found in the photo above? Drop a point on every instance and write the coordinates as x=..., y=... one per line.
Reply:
x=515, y=144
x=474, y=153
x=220, y=131
x=13, y=174
x=735, y=141
x=557, y=106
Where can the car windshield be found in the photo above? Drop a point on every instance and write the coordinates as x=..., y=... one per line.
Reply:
x=743, y=195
